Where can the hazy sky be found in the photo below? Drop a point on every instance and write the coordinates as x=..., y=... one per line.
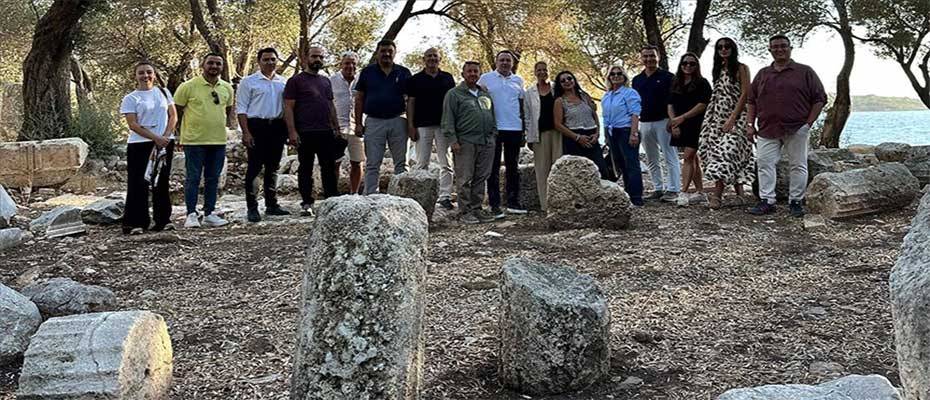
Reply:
x=823, y=51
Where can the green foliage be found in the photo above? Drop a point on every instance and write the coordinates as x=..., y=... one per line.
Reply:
x=354, y=31
x=98, y=127
x=757, y=20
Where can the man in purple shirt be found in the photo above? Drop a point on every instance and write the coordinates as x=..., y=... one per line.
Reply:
x=785, y=99
x=310, y=115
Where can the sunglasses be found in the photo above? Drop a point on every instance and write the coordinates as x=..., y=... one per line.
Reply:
x=688, y=64
x=724, y=46
x=615, y=74
x=567, y=79
x=216, y=97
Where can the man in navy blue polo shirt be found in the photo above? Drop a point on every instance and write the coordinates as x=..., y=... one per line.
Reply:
x=654, y=86
x=379, y=94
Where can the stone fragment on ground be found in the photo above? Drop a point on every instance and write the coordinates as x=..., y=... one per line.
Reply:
x=58, y=297
x=892, y=152
x=852, y=387
x=11, y=237
x=19, y=319
x=554, y=328
x=908, y=282
x=7, y=208
x=286, y=184
x=60, y=221
x=103, y=212
x=419, y=185
x=920, y=168
x=578, y=198
x=45, y=163
x=864, y=191
x=114, y=355
x=813, y=222
x=360, y=335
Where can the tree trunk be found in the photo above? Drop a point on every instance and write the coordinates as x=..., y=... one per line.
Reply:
x=46, y=94
x=650, y=11
x=214, y=38
x=839, y=112
x=696, y=40
x=405, y=14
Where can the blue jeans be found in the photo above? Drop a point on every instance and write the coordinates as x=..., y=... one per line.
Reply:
x=626, y=161
x=206, y=160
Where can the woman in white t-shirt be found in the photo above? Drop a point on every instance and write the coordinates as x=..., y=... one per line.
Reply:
x=152, y=118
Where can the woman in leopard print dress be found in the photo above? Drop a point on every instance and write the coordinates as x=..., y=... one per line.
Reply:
x=725, y=150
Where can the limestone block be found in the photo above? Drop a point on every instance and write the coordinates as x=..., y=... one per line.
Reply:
x=107, y=356
x=19, y=319
x=419, y=185
x=920, y=168
x=58, y=297
x=908, y=282
x=11, y=237
x=852, y=387
x=554, y=328
x=60, y=221
x=578, y=198
x=103, y=212
x=360, y=335
x=892, y=152
x=863, y=191
x=45, y=163
x=7, y=208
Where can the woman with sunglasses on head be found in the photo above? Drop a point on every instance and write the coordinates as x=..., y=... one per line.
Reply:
x=575, y=117
x=541, y=136
x=151, y=116
x=689, y=97
x=725, y=151
x=621, y=106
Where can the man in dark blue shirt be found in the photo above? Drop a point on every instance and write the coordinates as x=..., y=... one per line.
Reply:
x=379, y=94
x=654, y=86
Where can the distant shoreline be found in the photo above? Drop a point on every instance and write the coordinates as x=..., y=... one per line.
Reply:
x=873, y=103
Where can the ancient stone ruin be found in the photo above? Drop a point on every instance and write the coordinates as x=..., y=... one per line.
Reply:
x=360, y=334
x=862, y=191
x=58, y=297
x=45, y=163
x=420, y=185
x=578, y=198
x=853, y=387
x=19, y=319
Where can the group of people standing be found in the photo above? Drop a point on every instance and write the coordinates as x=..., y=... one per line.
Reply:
x=484, y=121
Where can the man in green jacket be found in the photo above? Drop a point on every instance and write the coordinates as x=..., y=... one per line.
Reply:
x=468, y=122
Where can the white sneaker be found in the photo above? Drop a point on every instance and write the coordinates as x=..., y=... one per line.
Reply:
x=214, y=221
x=192, y=221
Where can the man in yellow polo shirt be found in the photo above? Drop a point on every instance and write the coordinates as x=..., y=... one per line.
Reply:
x=203, y=104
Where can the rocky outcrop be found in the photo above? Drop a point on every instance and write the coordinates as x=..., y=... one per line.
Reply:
x=114, y=355
x=892, y=152
x=862, y=191
x=360, y=334
x=45, y=163
x=19, y=319
x=920, y=168
x=908, y=282
x=554, y=328
x=60, y=221
x=7, y=208
x=58, y=297
x=852, y=387
x=578, y=198
x=103, y=212
x=419, y=185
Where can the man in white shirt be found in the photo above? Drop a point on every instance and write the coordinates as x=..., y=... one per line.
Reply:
x=343, y=82
x=506, y=89
x=259, y=107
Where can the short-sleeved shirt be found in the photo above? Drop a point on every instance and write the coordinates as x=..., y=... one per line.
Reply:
x=506, y=92
x=653, y=91
x=696, y=93
x=151, y=110
x=428, y=93
x=783, y=99
x=312, y=95
x=204, y=119
x=260, y=97
x=384, y=94
x=344, y=98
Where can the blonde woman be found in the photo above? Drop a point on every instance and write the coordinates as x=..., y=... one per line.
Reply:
x=621, y=108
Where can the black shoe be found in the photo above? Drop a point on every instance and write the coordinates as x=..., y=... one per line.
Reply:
x=762, y=208
x=253, y=216
x=447, y=204
x=656, y=195
x=497, y=213
x=795, y=209
x=276, y=210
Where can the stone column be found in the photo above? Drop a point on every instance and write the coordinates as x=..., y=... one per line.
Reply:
x=863, y=191
x=360, y=335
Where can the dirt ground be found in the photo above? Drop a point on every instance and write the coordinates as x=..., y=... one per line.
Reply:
x=701, y=301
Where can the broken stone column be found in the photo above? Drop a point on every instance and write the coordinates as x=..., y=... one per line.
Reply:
x=114, y=355
x=19, y=319
x=42, y=163
x=863, y=191
x=60, y=221
x=908, y=282
x=554, y=328
x=360, y=335
x=578, y=198
x=418, y=184
x=852, y=387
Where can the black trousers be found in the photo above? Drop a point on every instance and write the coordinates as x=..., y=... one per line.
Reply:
x=321, y=144
x=269, y=135
x=136, y=214
x=594, y=153
x=510, y=142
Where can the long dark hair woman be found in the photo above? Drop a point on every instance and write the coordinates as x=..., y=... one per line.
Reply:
x=151, y=116
x=726, y=152
x=689, y=97
x=575, y=117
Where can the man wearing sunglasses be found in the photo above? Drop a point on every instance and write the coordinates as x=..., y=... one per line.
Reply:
x=203, y=104
x=785, y=99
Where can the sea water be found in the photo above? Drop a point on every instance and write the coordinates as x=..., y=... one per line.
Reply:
x=874, y=127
